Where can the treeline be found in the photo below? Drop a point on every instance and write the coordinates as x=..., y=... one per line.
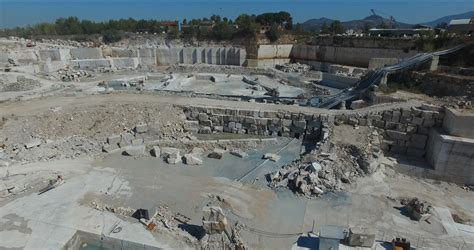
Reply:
x=73, y=26
x=271, y=24
x=215, y=27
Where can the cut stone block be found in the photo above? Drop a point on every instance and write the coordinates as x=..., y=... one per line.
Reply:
x=203, y=117
x=217, y=153
x=173, y=158
x=271, y=157
x=137, y=141
x=33, y=143
x=111, y=148
x=192, y=159
x=114, y=139
x=167, y=151
x=397, y=135
x=197, y=151
x=126, y=139
x=205, y=130
x=141, y=128
x=134, y=150
x=156, y=151
x=239, y=153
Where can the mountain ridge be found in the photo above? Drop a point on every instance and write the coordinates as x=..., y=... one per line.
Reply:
x=373, y=21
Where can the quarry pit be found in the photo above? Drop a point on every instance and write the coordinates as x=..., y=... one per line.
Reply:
x=175, y=129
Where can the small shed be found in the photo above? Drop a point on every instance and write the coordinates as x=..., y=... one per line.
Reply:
x=330, y=237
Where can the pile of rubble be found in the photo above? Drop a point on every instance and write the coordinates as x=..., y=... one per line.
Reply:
x=69, y=43
x=315, y=178
x=314, y=90
x=67, y=75
x=457, y=102
x=45, y=150
x=22, y=84
x=417, y=210
x=348, y=74
x=328, y=167
x=293, y=67
x=221, y=69
x=163, y=218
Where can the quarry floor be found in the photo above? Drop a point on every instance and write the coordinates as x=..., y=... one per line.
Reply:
x=29, y=220
x=49, y=220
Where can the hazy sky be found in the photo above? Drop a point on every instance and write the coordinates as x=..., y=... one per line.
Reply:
x=24, y=12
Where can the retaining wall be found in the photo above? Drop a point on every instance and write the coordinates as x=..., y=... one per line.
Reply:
x=345, y=55
x=353, y=56
x=86, y=53
x=381, y=62
x=147, y=56
x=451, y=156
x=338, y=81
x=91, y=63
x=459, y=123
x=274, y=51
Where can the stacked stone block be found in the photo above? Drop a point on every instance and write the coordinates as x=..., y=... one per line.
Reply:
x=254, y=122
x=406, y=130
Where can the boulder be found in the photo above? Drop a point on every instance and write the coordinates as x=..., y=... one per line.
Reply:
x=218, y=128
x=114, y=139
x=134, y=150
x=192, y=159
x=239, y=153
x=156, y=151
x=314, y=167
x=111, y=148
x=197, y=151
x=4, y=163
x=33, y=143
x=271, y=157
x=205, y=130
x=166, y=151
x=173, y=158
x=217, y=153
x=137, y=141
x=141, y=128
x=126, y=139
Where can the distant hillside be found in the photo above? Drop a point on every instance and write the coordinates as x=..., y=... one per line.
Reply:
x=447, y=19
x=375, y=20
x=372, y=22
x=316, y=24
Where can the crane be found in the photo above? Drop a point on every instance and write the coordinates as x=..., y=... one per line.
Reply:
x=392, y=22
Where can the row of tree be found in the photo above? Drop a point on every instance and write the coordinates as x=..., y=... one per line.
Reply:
x=244, y=26
x=216, y=27
x=74, y=26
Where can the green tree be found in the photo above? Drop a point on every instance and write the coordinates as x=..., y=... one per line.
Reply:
x=222, y=31
x=274, y=33
x=67, y=26
x=173, y=33
x=336, y=27
x=111, y=36
x=325, y=28
x=247, y=25
x=298, y=29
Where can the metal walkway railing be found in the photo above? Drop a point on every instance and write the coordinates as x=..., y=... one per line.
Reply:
x=374, y=77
